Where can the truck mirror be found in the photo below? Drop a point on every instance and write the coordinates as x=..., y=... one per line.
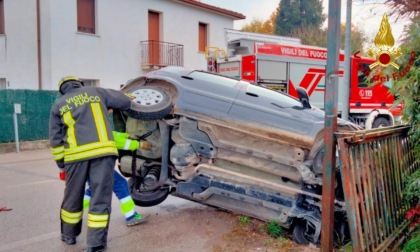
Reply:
x=303, y=97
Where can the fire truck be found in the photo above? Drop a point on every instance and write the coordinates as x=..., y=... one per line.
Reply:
x=286, y=66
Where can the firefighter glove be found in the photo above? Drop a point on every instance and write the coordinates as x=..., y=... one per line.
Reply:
x=62, y=175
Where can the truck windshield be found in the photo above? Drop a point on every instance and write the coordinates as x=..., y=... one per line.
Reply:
x=364, y=76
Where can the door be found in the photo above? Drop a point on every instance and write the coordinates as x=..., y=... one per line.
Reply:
x=154, y=39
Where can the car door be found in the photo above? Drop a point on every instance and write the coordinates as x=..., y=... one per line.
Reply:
x=274, y=109
x=208, y=93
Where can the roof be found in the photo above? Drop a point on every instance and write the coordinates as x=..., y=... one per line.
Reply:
x=235, y=15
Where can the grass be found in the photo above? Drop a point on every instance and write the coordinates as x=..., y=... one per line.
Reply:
x=244, y=219
x=274, y=229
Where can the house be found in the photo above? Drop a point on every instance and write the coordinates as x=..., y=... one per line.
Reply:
x=103, y=42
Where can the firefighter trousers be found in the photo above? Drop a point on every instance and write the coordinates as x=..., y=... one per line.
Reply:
x=122, y=191
x=100, y=173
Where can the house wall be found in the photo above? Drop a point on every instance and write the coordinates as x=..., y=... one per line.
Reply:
x=18, y=54
x=112, y=56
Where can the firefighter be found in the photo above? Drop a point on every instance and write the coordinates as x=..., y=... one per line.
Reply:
x=83, y=146
x=121, y=188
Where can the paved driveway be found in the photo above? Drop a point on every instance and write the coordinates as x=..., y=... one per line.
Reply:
x=29, y=185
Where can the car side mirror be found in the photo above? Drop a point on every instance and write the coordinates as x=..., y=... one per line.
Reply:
x=303, y=97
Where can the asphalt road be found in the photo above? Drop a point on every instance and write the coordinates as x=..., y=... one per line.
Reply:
x=29, y=185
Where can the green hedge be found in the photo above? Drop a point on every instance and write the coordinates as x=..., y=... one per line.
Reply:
x=34, y=117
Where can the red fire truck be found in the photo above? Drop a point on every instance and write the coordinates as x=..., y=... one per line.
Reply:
x=284, y=67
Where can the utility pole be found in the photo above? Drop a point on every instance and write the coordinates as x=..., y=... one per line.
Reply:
x=330, y=101
x=344, y=96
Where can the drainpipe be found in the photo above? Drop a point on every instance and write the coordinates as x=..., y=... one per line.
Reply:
x=38, y=34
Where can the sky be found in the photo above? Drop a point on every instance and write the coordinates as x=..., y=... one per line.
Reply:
x=366, y=14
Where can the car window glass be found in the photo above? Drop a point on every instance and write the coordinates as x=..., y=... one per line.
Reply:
x=280, y=98
x=220, y=80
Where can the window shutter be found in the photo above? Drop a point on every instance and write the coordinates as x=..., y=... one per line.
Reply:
x=1, y=17
x=202, y=37
x=86, y=16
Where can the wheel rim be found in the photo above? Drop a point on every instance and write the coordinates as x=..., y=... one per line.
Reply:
x=147, y=97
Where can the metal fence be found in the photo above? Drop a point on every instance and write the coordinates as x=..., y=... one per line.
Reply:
x=374, y=165
x=32, y=121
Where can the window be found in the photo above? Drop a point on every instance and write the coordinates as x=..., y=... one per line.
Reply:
x=364, y=74
x=86, y=16
x=202, y=37
x=1, y=17
x=2, y=83
x=90, y=83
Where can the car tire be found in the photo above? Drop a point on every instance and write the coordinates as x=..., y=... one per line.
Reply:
x=147, y=198
x=300, y=233
x=149, y=103
x=381, y=122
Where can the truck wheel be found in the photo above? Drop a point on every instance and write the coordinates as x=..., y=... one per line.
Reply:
x=149, y=103
x=381, y=122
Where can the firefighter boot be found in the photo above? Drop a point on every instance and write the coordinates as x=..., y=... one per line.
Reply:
x=67, y=240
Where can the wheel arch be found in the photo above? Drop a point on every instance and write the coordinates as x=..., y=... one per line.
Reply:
x=378, y=113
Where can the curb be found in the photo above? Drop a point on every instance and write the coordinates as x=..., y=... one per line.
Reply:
x=24, y=146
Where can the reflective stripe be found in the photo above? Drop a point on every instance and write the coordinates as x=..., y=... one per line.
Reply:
x=58, y=152
x=99, y=121
x=88, y=147
x=71, y=136
x=71, y=218
x=129, y=214
x=91, y=153
x=98, y=217
x=127, y=205
x=127, y=144
x=125, y=199
x=97, y=220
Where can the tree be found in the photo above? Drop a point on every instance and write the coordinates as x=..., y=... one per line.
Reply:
x=295, y=14
x=260, y=26
x=404, y=8
x=318, y=37
x=407, y=88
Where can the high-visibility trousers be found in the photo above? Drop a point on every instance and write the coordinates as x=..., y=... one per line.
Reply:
x=100, y=173
x=122, y=191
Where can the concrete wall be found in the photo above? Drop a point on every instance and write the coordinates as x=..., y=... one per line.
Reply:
x=112, y=55
x=18, y=54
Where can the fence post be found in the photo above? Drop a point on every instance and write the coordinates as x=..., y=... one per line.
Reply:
x=17, y=111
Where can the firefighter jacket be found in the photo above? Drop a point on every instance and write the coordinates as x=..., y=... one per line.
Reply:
x=80, y=128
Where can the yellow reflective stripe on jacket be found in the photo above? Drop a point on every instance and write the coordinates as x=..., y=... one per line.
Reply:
x=88, y=147
x=71, y=217
x=58, y=152
x=97, y=220
x=99, y=121
x=90, y=153
x=71, y=136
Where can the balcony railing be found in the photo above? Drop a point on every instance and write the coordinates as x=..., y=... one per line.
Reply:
x=157, y=54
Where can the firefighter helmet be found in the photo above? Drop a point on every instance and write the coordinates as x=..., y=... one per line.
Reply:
x=66, y=79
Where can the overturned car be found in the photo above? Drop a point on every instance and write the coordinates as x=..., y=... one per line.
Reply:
x=231, y=144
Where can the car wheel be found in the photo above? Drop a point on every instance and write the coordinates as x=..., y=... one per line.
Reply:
x=381, y=122
x=146, y=198
x=149, y=103
x=303, y=233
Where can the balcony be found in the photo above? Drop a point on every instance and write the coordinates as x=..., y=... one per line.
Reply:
x=158, y=54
